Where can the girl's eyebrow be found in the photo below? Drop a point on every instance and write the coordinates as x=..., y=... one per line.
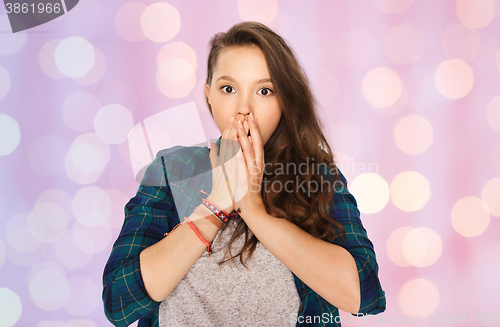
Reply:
x=228, y=78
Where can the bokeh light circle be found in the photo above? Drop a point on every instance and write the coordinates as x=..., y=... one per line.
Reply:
x=84, y=296
x=74, y=56
x=79, y=154
x=475, y=13
x=460, y=41
x=69, y=254
x=128, y=21
x=92, y=206
x=25, y=259
x=470, y=216
x=18, y=234
x=10, y=134
x=10, y=43
x=404, y=44
x=381, y=87
x=160, y=22
x=47, y=59
x=410, y=191
x=422, y=246
x=87, y=158
x=46, y=155
x=263, y=11
x=176, y=70
x=177, y=50
x=97, y=71
x=112, y=123
x=454, y=78
x=371, y=192
x=491, y=195
x=79, y=110
x=10, y=307
x=49, y=289
x=4, y=82
x=119, y=91
x=92, y=239
x=48, y=222
x=176, y=78
x=394, y=246
x=493, y=113
x=419, y=297
x=58, y=197
x=413, y=134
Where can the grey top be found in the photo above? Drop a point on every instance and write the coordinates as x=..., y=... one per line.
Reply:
x=231, y=295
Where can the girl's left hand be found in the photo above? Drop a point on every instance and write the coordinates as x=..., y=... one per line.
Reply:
x=250, y=163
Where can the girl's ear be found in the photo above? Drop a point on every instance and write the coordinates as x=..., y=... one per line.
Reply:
x=207, y=92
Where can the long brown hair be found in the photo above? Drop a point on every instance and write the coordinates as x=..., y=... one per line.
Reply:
x=298, y=139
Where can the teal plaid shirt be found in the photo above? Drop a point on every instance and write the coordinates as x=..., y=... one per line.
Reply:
x=152, y=213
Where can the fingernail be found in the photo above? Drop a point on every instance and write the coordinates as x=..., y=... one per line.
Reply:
x=251, y=117
x=231, y=119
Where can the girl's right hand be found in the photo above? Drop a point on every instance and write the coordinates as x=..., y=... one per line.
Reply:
x=223, y=184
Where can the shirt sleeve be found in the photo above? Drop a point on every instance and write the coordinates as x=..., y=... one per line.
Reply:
x=147, y=217
x=360, y=247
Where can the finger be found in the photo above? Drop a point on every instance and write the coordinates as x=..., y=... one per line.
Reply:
x=228, y=130
x=257, y=144
x=229, y=126
x=245, y=125
x=245, y=144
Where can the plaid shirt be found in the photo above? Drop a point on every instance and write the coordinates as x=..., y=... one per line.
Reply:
x=153, y=212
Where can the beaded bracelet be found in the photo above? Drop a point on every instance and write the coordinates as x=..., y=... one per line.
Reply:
x=212, y=218
x=197, y=232
x=219, y=213
x=200, y=236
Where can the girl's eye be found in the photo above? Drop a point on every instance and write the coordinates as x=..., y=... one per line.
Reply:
x=227, y=89
x=265, y=91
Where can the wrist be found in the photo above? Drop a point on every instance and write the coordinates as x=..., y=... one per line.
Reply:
x=225, y=205
x=207, y=214
x=253, y=209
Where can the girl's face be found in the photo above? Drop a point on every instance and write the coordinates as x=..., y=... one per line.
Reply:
x=241, y=84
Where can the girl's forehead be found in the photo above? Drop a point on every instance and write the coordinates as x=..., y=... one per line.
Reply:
x=237, y=59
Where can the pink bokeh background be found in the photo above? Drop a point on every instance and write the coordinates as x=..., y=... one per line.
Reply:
x=409, y=97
